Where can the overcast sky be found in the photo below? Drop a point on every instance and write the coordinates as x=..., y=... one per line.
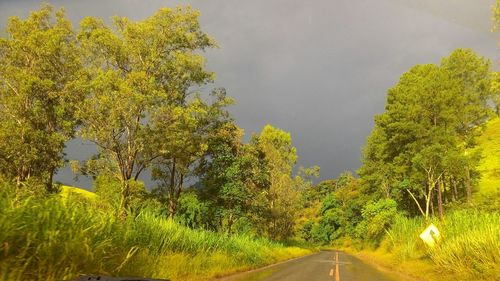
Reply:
x=318, y=69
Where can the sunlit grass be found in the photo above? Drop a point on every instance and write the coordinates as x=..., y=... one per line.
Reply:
x=470, y=246
x=489, y=167
x=54, y=239
x=66, y=190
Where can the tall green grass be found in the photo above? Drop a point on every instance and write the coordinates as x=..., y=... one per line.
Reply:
x=470, y=245
x=60, y=239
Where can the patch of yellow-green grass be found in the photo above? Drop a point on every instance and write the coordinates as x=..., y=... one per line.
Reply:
x=489, y=184
x=46, y=238
x=469, y=249
x=489, y=142
x=66, y=190
x=412, y=269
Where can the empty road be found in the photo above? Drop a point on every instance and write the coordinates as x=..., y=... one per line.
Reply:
x=322, y=266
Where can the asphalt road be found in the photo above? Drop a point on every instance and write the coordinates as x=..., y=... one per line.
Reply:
x=323, y=266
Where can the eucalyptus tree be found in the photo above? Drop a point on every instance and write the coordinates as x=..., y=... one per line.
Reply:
x=473, y=94
x=180, y=135
x=234, y=179
x=138, y=69
x=495, y=91
x=429, y=125
x=40, y=88
x=417, y=111
x=283, y=197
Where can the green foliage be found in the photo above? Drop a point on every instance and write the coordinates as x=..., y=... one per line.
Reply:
x=470, y=246
x=191, y=211
x=377, y=218
x=181, y=139
x=283, y=196
x=424, y=137
x=108, y=189
x=488, y=195
x=233, y=179
x=324, y=231
x=74, y=236
x=141, y=72
x=40, y=79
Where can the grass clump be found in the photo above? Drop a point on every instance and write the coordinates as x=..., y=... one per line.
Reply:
x=470, y=245
x=52, y=239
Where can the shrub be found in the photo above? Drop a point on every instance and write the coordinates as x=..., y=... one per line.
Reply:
x=377, y=218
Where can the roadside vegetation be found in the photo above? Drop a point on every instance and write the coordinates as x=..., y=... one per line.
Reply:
x=46, y=238
x=432, y=158
x=218, y=204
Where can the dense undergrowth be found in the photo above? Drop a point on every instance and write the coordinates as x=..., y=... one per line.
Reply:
x=469, y=248
x=60, y=239
x=470, y=245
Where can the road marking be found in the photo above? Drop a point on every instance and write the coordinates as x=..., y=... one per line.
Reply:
x=337, y=272
x=331, y=272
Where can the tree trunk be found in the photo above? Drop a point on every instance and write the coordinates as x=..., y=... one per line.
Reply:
x=172, y=207
x=432, y=204
x=446, y=194
x=468, y=186
x=439, y=199
x=171, y=201
x=48, y=185
x=455, y=191
x=229, y=223
x=124, y=203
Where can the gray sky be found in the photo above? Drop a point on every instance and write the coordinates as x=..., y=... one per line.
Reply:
x=318, y=69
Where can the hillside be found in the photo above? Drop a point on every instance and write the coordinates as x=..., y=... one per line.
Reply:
x=489, y=167
x=66, y=190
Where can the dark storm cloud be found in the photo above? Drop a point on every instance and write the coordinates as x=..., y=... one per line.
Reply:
x=319, y=69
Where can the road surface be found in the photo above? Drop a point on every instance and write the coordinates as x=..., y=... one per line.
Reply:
x=322, y=266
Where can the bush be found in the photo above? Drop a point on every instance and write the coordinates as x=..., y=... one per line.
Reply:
x=190, y=210
x=377, y=218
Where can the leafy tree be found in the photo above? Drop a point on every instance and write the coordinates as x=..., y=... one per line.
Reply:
x=283, y=197
x=430, y=123
x=234, y=176
x=325, y=230
x=180, y=136
x=377, y=218
x=108, y=189
x=138, y=68
x=473, y=93
x=309, y=199
x=40, y=77
x=352, y=197
x=191, y=211
x=495, y=91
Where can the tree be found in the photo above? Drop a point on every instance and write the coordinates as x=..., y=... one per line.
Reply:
x=138, y=68
x=180, y=136
x=431, y=119
x=40, y=74
x=283, y=196
x=495, y=91
x=234, y=177
x=327, y=227
x=418, y=111
x=377, y=218
x=471, y=74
